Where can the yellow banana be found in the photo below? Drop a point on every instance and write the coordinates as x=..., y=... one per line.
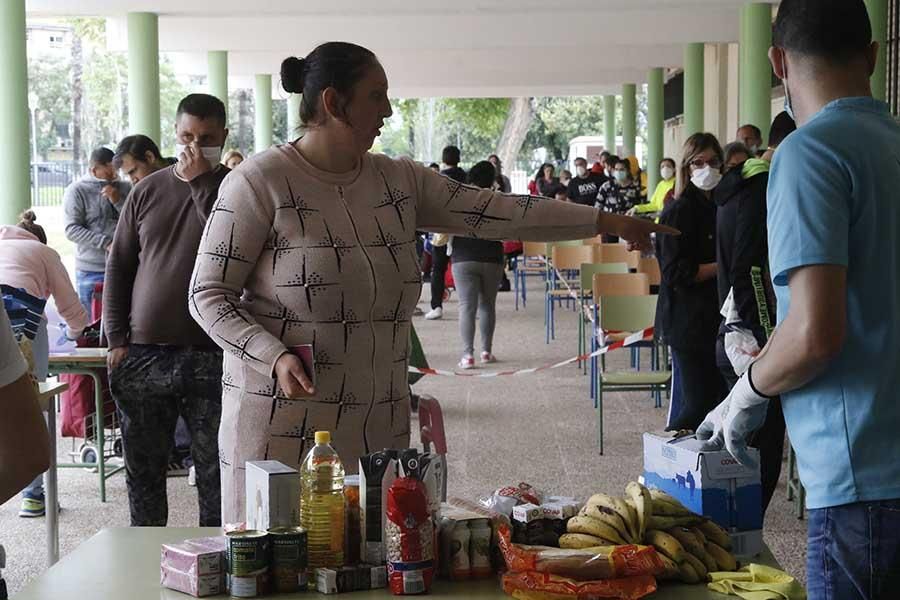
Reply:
x=688, y=574
x=610, y=517
x=666, y=544
x=620, y=507
x=697, y=564
x=687, y=539
x=715, y=534
x=643, y=504
x=579, y=541
x=594, y=527
x=724, y=559
x=699, y=534
x=660, y=522
x=671, y=568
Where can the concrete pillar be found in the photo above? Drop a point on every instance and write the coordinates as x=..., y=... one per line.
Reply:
x=262, y=105
x=629, y=119
x=693, y=89
x=14, y=118
x=217, y=75
x=878, y=15
x=293, y=116
x=143, y=74
x=609, y=122
x=655, y=127
x=755, y=71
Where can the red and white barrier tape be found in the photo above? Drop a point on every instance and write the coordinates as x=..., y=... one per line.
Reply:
x=638, y=336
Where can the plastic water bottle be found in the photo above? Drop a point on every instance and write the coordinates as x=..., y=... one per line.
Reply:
x=322, y=504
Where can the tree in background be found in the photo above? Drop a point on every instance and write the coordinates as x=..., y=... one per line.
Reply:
x=48, y=81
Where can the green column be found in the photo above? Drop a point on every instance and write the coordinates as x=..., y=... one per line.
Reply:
x=143, y=74
x=629, y=119
x=14, y=118
x=217, y=74
x=878, y=15
x=293, y=116
x=655, y=126
x=755, y=70
x=609, y=122
x=262, y=105
x=693, y=89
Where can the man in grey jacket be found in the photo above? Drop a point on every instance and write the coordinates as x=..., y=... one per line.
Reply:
x=92, y=207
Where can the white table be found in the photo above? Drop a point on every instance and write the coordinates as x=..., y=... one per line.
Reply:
x=123, y=563
x=47, y=393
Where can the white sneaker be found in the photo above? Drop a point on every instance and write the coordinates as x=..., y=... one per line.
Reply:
x=434, y=313
x=487, y=358
x=192, y=476
x=466, y=362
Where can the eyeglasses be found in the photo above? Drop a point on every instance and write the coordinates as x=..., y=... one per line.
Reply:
x=699, y=163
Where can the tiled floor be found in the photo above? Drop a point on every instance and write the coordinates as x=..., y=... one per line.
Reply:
x=537, y=428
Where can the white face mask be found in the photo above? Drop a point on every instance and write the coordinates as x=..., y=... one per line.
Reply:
x=582, y=171
x=620, y=176
x=667, y=173
x=706, y=178
x=211, y=153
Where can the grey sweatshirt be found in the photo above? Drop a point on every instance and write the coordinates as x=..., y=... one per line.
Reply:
x=91, y=220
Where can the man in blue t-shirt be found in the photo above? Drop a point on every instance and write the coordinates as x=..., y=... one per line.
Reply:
x=834, y=253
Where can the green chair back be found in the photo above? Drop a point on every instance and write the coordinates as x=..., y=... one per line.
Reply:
x=588, y=270
x=627, y=313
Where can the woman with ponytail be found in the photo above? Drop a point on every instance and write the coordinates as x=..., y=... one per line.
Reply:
x=321, y=234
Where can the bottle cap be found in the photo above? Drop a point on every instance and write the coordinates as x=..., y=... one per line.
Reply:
x=323, y=437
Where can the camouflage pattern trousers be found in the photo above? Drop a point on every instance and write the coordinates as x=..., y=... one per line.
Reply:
x=152, y=386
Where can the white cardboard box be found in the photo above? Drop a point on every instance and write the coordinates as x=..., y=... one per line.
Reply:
x=273, y=495
x=712, y=484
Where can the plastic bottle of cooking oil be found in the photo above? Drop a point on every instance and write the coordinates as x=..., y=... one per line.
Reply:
x=322, y=503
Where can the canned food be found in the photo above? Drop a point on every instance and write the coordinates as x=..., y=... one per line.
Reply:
x=247, y=553
x=290, y=558
x=249, y=586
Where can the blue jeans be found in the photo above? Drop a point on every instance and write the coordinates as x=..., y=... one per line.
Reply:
x=854, y=551
x=84, y=281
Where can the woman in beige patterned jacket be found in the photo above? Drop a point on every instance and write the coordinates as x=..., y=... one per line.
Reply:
x=320, y=234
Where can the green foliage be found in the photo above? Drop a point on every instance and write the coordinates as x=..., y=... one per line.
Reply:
x=49, y=82
x=171, y=91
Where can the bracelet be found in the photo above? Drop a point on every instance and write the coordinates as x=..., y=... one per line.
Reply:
x=753, y=387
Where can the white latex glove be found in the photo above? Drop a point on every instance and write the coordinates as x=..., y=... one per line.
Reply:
x=732, y=422
x=73, y=334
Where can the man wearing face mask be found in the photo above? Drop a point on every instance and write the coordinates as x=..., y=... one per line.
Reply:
x=751, y=137
x=92, y=206
x=620, y=194
x=583, y=188
x=834, y=240
x=162, y=365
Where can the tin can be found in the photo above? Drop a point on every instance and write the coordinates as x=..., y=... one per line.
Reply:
x=290, y=558
x=247, y=553
x=248, y=586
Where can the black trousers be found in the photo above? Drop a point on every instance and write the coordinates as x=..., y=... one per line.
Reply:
x=152, y=387
x=701, y=386
x=439, y=262
x=769, y=439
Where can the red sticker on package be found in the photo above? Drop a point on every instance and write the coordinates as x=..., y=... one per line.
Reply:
x=409, y=536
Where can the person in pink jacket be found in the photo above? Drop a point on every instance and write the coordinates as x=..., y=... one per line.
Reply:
x=27, y=262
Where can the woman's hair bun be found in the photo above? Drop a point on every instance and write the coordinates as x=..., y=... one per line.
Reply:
x=292, y=74
x=28, y=216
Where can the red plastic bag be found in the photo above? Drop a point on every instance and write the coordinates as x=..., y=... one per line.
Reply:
x=409, y=534
x=532, y=585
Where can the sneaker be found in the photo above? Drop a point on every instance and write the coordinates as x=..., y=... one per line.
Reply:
x=176, y=469
x=487, y=358
x=192, y=476
x=466, y=362
x=434, y=313
x=32, y=507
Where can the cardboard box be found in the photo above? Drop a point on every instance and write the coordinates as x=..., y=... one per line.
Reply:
x=712, y=484
x=273, y=495
x=526, y=513
x=195, y=567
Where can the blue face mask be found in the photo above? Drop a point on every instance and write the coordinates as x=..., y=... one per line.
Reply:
x=788, y=108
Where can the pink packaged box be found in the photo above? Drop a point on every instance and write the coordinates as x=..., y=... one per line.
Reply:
x=196, y=567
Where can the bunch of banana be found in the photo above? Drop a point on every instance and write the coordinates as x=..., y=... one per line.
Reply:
x=688, y=554
x=603, y=521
